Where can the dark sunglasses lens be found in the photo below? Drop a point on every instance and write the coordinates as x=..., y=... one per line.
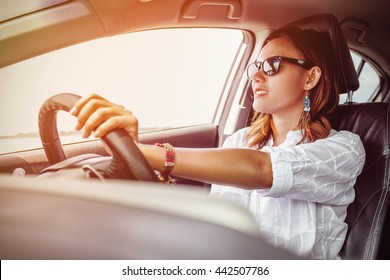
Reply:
x=271, y=66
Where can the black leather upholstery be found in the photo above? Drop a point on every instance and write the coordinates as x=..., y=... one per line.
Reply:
x=368, y=216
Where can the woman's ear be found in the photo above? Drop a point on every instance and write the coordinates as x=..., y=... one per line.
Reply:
x=313, y=77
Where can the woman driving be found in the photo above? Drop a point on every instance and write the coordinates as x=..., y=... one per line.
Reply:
x=290, y=169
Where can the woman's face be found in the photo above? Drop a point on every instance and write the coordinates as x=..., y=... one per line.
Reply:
x=283, y=93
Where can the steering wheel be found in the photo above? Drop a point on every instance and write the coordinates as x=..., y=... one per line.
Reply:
x=128, y=160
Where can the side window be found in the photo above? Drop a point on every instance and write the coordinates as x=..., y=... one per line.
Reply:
x=167, y=78
x=368, y=78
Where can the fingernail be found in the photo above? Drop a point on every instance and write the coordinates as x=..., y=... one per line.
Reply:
x=97, y=134
x=78, y=126
x=85, y=134
x=72, y=111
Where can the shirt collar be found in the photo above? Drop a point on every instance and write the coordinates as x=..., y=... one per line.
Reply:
x=292, y=139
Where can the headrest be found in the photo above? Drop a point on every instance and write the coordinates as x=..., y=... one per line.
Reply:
x=327, y=23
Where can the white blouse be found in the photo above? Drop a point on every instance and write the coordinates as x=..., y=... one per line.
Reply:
x=304, y=210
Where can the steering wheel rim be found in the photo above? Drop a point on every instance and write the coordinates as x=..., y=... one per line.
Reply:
x=126, y=154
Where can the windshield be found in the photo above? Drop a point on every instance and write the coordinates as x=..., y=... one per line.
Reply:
x=167, y=78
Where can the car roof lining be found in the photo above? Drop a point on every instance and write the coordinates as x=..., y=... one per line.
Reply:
x=9, y=10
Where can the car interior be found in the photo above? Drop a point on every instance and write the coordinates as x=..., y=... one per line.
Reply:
x=45, y=214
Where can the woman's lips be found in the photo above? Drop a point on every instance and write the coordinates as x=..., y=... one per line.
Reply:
x=260, y=92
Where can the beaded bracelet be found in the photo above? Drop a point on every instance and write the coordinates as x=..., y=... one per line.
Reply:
x=168, y=164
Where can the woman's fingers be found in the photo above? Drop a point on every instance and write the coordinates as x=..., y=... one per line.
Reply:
x=90, y=108
x=107, y=115
x=93, y=113
x=127, y=122
x=81, y=103
x=98, y=115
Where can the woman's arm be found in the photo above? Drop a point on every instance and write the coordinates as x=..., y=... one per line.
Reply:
x=241, y=168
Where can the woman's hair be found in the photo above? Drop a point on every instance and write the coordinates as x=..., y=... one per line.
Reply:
x=324, y=97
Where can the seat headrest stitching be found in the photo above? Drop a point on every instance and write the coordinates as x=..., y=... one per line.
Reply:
x=382, y=189
x=374, y=163
x=373, y=236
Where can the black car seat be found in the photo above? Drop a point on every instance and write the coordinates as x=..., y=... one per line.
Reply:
x=368, y=216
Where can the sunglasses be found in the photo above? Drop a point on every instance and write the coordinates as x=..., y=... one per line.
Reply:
x=271, y=65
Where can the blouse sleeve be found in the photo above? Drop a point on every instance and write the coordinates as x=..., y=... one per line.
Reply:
x=324, y=171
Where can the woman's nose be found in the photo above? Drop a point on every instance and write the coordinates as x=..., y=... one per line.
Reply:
x=259, y=76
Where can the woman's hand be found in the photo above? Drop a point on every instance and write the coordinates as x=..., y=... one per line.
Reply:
x=98, y=115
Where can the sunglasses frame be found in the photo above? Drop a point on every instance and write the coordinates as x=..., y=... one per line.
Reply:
x=275, y=70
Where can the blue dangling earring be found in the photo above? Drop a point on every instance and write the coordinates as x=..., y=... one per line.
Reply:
x=306, y=104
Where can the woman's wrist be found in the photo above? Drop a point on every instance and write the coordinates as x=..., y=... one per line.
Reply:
x=169, y=163
x=161, y=158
